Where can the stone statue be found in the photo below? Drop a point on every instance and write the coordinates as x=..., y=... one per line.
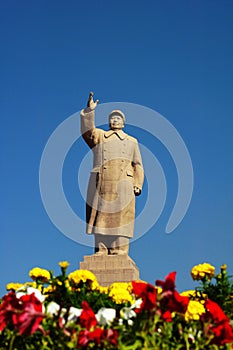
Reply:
x=116, y=178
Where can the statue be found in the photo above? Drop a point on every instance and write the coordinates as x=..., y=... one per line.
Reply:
x=116, y=178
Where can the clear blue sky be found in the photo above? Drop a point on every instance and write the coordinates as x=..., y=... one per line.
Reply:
x=172, y=56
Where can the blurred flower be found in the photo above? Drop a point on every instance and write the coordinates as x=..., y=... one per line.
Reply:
x=194, y=294
x=48, y=290
x=194, y=310
x=105, y=316
x=102, y=289
x=32, y=284
x=25, y=290
x=73, y=314
x=147, y=293
x=120, y=292
x=87, y=318
x=86, y=336
x=53, y=309
x=98, y=336
x=111, y=336
x=64, y=264
x=78, y=277
x=171, y=301
x=8, y=306
x=25, y=313
x=223, y=267
x=127, y=313
x=39, y=274
x=220, y=325
x=13, y=286
x=188, y=293
x=28, y=320
x=203, y=271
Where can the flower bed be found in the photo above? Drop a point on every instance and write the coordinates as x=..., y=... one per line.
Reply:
x=72, y=311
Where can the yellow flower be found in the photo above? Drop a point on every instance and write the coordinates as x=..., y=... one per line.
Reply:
x=33, y=285
x=193, y=293
x=64, y=264
x=223, y=267
x=188, y=293
x=39, y=274
x=194, y=310
x=159, y=290
x=120, y=292
x=102, y=289
x=13, y=286
x=83, y=276
x=48, y=290
x=203, y=271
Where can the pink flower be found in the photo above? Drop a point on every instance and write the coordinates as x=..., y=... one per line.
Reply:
x=25, y=313
x=29, y=317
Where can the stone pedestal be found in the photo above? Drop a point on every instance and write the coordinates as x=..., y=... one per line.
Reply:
x=111, y=268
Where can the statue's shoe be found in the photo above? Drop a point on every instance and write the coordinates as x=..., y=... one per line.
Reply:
x=101, y=252
x=118, y=252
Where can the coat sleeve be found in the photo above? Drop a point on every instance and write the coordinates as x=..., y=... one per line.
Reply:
x=138, y=167
x=88, y=129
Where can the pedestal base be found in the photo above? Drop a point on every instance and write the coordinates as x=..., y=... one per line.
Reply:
x=111, y=268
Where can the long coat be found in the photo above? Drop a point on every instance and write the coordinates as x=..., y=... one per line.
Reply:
x=117, y=168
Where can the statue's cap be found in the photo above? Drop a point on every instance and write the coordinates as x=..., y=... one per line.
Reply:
x=117, y=112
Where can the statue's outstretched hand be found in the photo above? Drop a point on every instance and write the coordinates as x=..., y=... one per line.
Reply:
x=90, y=103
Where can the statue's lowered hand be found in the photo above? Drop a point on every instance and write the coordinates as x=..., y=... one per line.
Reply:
x=90, y=103
x=137, y=191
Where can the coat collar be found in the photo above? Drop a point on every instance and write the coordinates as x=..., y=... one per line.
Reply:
x=120, y=133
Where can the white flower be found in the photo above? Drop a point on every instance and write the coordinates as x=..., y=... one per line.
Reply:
x=137, y=304
x=25, y=290
x=120, y=321
x=127, y=313
x=54, y=308
x=74, y=313
x=105, y=316
x=130, y=322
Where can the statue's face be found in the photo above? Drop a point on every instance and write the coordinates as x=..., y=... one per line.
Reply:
x=116, y=122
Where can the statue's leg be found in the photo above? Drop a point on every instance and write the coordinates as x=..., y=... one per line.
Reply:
x=119, y=245
x=101, y=245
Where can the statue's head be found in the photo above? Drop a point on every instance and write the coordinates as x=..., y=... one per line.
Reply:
x=116, y=120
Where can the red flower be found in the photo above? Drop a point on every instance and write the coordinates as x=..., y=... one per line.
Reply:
x=148, y=294
x=86, y=336
x=9, y=305
x=98, y=336
x=111, y=336
x=223, y=332
x=25, y=313
x=28, y=319
x=215, y=311
x=171, y=300
x=169, y=283
x=87, y=318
